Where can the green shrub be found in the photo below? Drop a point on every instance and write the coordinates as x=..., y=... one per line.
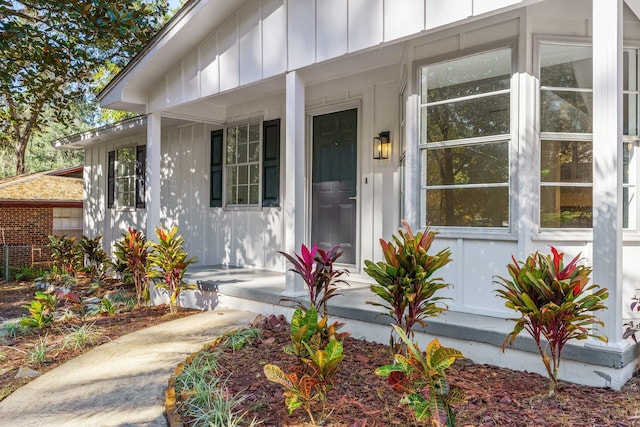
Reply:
x=404, y=279
x=168, y=262
x=41, y=308
x=66, y=254
x=131, y=254
x=555, y=305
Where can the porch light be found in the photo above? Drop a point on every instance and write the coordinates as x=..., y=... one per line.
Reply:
x=381, y=145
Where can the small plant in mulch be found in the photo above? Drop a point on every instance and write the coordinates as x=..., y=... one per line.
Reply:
x=198, y=392
x=555, y=304
x=422, y=381
x=131, y=254
x=168, y=263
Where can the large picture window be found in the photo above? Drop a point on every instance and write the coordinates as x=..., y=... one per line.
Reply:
x=465, y=130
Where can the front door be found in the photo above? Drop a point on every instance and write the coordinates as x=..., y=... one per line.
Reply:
x=333, y=216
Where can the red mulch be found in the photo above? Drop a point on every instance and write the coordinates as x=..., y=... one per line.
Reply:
x=495, y=396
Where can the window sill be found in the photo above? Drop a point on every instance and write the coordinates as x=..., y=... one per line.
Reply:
x=475, y=234
x=247, y=208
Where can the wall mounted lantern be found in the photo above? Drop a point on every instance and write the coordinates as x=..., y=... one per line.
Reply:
x=382, y=145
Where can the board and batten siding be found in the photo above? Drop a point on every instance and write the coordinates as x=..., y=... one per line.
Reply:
x=267, y=38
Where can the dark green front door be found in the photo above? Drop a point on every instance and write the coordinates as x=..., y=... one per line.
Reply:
x=333, y=217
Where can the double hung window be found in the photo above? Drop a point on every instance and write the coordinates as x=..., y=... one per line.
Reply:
x=126, y=177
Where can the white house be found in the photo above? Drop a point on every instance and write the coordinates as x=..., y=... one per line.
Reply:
x=513, y=125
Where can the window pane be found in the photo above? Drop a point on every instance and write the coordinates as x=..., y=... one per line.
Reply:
x=243, y=197
x=468, y=207
x=254, y=132
x=243, y=175
x=566, y=207
x=254, y=152
x=471, y=164
x=566, y=66
x=566, y=161
x=243, y=134
x=253, y=195
x=254, y=174
x=231, y=145
x=482, y=73
x=630, y=69
x=630, y=114
x=467, y=119
x=242, y=153
x=566, y=112
x=232, y=196
x=628, y=160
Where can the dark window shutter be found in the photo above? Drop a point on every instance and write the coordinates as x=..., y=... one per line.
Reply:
x=141, y=175
x=111, y=179
x=217, y=148
x=271, y=163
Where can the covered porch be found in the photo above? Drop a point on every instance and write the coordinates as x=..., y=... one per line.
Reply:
x=479, y=337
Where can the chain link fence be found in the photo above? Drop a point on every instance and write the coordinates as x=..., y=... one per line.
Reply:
x=16, y=257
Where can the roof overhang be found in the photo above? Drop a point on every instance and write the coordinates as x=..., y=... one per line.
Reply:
x=128, y=127
x=183, y=32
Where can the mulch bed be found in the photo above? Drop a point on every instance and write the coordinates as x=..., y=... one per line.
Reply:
x=14, y=352
x=495, y=396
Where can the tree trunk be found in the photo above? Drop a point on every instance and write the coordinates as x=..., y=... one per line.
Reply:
x=21, y=148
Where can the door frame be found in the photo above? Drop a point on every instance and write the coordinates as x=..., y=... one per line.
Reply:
x=310, y=113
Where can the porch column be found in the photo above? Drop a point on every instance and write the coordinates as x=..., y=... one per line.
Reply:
x=607, y=160
x=294, y=181
x=152, y=184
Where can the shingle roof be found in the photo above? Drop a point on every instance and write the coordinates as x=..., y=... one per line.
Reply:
x=47, y=187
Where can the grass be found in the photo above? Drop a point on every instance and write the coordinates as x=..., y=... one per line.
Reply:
x=78, y=337
x=38, y=355
x=208, y=401
x=237, y=339
x=11, y=330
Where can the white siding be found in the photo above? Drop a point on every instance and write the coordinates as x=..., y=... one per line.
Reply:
x=264, y=38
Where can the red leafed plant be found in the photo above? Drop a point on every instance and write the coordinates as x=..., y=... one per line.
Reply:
x=316, y=267
x=555, y=305
x=131, y=257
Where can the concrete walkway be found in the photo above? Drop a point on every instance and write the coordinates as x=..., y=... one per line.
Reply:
x=120, y=383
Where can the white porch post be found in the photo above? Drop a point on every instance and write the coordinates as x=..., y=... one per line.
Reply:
x=294, y=182
x=152, y=194
x=607, y=160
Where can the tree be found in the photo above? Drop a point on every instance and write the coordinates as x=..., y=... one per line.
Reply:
x=49, y=52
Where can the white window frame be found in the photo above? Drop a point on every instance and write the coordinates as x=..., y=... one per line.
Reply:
x=495, y=233
x=226, y=166
x=633, y=141
x=118, y=178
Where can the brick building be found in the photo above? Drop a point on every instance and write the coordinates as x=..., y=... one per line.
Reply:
x=35, y=206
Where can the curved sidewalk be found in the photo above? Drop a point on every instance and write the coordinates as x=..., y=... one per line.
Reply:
x=120, y=383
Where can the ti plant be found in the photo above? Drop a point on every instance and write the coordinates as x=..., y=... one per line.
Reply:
x=555, y=305
x=316, y=267
x=318, y=363
x=131, y=255
x=168, y=263
x=65, y=253
x=404, y=279
x=95, y=257
x=632, y=326
x=421, y=379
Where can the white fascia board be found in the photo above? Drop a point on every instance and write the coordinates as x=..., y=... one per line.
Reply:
x=182, y=33
x=105, y=133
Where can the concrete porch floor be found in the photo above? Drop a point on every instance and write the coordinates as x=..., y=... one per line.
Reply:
x=479, y=337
